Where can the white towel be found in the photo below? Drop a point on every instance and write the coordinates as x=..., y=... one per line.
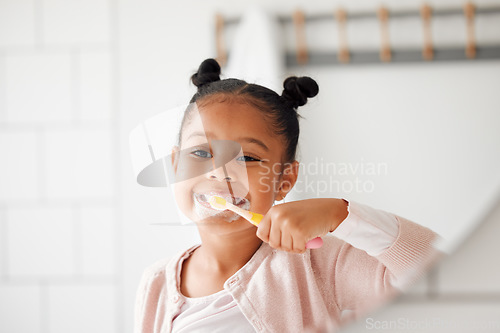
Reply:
x=257, y=54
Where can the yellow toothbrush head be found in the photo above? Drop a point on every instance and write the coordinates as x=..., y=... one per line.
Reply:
x=218, y=203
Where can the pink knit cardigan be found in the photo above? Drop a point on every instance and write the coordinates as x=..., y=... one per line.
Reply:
x=279, y=291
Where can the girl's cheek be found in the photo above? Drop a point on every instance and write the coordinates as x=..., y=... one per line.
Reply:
x=265, y=186
x=257, y=182
x=183, y=196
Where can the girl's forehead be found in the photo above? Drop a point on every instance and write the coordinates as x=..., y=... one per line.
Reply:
x=229, y=120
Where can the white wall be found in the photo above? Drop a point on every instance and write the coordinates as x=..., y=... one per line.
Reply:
x=77, y=76
x=431, y=130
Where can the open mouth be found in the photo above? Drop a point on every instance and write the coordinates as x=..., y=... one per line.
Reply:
x=203, y=199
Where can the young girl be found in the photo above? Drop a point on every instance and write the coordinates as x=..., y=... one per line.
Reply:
x=246, y=279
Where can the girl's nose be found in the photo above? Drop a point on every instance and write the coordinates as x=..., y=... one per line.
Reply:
x=221, y=174
x=227, y=178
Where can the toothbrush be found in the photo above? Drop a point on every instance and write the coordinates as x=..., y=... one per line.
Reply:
x=221, y=204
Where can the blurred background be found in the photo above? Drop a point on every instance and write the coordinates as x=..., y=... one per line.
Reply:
x=418, y=138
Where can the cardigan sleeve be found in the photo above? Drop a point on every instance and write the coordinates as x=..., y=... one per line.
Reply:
x=368, y=229
x=151, y=292
x=380, y=255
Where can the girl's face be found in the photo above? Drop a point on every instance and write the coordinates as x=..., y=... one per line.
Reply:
x=228, y=150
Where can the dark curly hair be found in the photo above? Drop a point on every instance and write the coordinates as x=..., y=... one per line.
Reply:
x=281, y=111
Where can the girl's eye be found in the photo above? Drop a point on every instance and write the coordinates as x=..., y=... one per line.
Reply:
x=248, y=159
x=205, y=154
x=201, y=153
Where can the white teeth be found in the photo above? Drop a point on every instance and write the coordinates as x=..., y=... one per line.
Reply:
x=205, y=198
x=237, y=200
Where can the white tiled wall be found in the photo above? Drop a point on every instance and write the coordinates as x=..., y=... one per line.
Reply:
x=19, y=179
x=32, y=249
x=17, y=23
x=75, y=22
x=38, y=87
x=78, y=161
x=59, y=235
x=98, y=241
x=77, y=308
x=75, y=77
x=94, y=85
x=20, y=306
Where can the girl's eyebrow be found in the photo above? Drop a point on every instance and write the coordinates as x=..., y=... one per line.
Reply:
x=256, y=141
x=244, y=139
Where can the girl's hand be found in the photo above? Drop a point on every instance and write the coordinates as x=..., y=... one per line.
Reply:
x=291, y=225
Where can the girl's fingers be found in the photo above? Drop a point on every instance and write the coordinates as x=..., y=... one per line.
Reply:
x=299, y=245
x=272, y=234
x=264, y=229
x=275, y=236
x=296, y=248
x=286, y=241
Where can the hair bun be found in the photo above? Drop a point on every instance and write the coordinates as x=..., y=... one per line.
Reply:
x=299, y=89
x=209, y=71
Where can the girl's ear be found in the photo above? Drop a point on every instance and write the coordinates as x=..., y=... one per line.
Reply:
x=289, y=178
x=175, y=157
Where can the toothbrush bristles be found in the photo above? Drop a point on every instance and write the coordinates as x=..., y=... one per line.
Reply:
x=218, y=203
